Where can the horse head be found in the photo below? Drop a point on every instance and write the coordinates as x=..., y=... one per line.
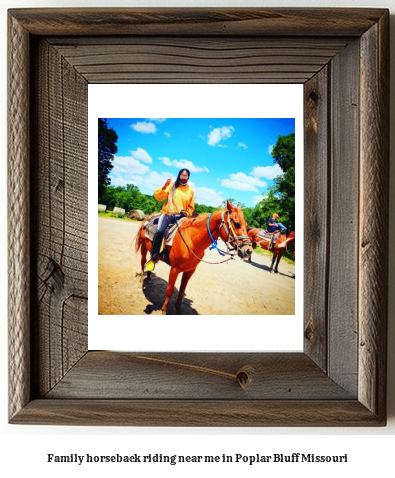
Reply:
x=237, y=233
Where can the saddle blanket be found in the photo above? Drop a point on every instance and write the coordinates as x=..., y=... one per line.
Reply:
x=151, y=226
x=267, y=236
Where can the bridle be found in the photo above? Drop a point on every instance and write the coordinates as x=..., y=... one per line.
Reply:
x=232, y=238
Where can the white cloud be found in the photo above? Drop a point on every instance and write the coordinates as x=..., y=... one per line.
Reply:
x=257, y=199
x=270, y=149
x=242, y=182
x=208, y=196
x=141, y=155
x=184, y=163
x=268, y=172
x=144, y=127
x=167, y=134
x=218, y=134
x=240, y=186
x=242, y=145
x=166, y=161
x=144, y=178
x=128, y=165
x=153, y=181
x=158, y=120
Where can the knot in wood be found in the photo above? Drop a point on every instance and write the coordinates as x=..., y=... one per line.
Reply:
x=313, y=96
x=244, y=376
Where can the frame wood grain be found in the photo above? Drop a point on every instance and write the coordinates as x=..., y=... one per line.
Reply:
x=342, y=58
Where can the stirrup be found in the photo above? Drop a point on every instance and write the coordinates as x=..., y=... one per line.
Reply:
x=150, y=265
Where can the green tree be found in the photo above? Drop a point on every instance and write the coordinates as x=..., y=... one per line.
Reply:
x=284, y=155
x=280, y=197
x=284, y=152
x=233, y=202
x=130, y=197
x=107, y=148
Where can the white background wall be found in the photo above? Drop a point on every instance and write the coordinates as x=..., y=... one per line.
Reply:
x=24, y=449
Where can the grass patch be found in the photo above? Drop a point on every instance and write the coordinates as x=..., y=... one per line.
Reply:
x=264, y=252
x=116, y=216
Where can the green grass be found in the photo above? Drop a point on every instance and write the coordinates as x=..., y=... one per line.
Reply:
x=264, y=252
x=116, y=216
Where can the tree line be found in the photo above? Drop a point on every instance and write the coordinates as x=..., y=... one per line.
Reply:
x=279, y=198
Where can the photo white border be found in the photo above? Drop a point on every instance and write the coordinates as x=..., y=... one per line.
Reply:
x=249, y=333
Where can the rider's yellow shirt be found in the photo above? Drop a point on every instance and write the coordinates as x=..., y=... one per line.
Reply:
x=184, y=199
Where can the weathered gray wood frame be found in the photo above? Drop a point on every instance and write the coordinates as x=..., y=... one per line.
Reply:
x=342, y=58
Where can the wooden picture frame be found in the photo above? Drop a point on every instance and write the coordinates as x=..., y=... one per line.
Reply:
x=342, y=58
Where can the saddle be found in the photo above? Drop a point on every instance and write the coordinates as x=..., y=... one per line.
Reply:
x=268, y=236
x=151, y=226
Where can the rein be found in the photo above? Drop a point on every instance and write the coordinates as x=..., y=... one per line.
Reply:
x=214, y=244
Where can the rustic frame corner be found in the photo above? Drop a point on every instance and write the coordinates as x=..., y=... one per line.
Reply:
x=342, y=58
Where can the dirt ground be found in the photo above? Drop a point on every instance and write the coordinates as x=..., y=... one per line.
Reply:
x=233, y=288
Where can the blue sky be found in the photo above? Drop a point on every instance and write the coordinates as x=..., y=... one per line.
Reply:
x=227, y=158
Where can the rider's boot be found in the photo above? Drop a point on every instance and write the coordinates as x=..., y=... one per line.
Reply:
x=156, y=243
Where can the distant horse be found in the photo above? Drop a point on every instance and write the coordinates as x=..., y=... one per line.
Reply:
x=192, y=239
x=278, y=249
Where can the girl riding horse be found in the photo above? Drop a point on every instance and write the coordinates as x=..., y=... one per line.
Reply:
x=193, y=237
x=180, y=204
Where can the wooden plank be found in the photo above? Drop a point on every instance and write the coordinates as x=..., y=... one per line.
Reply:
x=374, y=206
x=344, y=220
x=316, y=215
x=137, y=376
x=40, y=182
x=18, y=208
x=150, y=77
x=61, y=218
x=174, y=59
x=57, y=280
x=202, y=413
x=73, y=46
x=200, y=21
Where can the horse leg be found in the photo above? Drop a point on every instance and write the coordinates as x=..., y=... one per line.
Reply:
x=184, y=282
x=170, y=288
x=253, y=244
x=142, y=262
x=272, y=264
x=277, y=263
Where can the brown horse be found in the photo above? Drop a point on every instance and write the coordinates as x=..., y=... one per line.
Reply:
x=192, y=239
x=278, y=249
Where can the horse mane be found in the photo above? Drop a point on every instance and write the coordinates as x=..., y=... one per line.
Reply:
x=202, y=217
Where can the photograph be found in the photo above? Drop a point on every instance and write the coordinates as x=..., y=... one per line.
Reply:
x=195, y=215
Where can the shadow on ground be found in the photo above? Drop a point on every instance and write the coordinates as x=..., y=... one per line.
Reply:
x=267, y=269
x=155, y=292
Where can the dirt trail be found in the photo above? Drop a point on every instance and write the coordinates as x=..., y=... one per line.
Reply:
x=233, y=288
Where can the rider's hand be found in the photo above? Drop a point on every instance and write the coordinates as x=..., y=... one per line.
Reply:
x=168, y=181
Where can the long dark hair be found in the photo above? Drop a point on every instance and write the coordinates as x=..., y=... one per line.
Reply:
x=177, y=181
x=175, y=185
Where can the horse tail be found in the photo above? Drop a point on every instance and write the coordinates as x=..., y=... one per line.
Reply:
x=139, y=238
